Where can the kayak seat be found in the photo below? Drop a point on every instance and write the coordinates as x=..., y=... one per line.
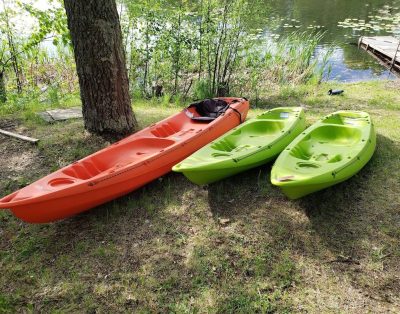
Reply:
x=166, y=129
x=208, y=110
x=356, y=119
x=327, y=144
x=263, y=128
x=123, y=155
x=250, y=136
x=336, y=135
x=279, y=114
x=224, y=145
x=84, y=170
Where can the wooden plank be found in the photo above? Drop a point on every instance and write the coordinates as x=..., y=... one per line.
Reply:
x=386, y=63
x=384, y=44
x=385, y=49
x=46, y=116
x=65, y=114
x=61, y=114
x=19, y=136
x=393, y=63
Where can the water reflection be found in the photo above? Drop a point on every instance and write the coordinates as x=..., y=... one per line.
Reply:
x=348, y=64
x=343, y=22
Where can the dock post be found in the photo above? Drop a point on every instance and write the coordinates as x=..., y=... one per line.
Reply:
x=395, y=56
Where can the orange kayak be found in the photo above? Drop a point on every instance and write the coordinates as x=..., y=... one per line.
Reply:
x=122, y=167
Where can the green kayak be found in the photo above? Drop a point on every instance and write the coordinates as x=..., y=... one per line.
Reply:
x=249, y=145
x=330, y=151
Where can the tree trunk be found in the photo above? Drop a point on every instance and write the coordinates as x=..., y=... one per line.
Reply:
x=100, y=62
x=177, y=55
x=13, y=50
x=146, y=64
x=201, y=40
x=3, y=92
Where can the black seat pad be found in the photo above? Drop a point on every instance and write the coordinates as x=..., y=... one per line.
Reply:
x=209, y=109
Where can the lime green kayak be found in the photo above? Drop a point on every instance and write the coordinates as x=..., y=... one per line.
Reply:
x=330, y=151
x=249, y=145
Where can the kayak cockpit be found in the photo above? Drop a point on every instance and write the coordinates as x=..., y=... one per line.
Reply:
x=123, y=166
x=253, y=135
x=358, y=119
x=119, y=156
x=257, y=136
x=328, y=152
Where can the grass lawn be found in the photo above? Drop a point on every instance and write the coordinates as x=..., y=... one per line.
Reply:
x=235, y=246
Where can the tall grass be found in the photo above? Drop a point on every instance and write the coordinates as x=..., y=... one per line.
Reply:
x=291, y=59
x=279, y=63
x=27, y=104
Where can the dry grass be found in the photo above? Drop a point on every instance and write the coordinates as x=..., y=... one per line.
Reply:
x=235, y=246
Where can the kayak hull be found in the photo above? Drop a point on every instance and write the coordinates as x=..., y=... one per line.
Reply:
x=120, y=168
x=329, y=152
x=71, y=205
x=249, y=145
x=203, y=178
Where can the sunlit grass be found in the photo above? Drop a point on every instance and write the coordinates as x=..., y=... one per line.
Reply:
x=163, y=248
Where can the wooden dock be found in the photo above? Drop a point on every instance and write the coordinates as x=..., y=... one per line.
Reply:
x=385, y=49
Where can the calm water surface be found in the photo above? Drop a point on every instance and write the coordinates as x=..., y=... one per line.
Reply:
x=343, y=22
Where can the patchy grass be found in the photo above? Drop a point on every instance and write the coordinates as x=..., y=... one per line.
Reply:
x=236, y=246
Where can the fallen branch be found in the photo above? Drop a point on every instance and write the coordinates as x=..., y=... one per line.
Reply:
x=21, y=137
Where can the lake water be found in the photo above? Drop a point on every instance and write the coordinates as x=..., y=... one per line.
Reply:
x=343, y=22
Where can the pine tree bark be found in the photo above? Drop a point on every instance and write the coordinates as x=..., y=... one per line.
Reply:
x=100, y=61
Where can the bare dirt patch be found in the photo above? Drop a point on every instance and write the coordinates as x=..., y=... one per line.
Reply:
x=19, y=161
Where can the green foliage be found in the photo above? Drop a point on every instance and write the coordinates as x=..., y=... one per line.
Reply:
x=28, y=104
x=6, y=305
x=53, y=96
x=205, y=49
x=51, y=21
x=290, y=59
x=28, y=65
x=166, y=99
x=201, y=89
x=192, y=49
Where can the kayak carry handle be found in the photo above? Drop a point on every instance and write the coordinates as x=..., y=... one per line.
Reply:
x=7, y=199
x=285, y=179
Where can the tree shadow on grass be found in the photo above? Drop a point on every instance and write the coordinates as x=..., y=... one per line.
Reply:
x=167, y=237
x=342, y=215
x=240, y=194
x=345, y=214
x=347, y=221
x=138, y=208
x=110, y=244
x=356, y=221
